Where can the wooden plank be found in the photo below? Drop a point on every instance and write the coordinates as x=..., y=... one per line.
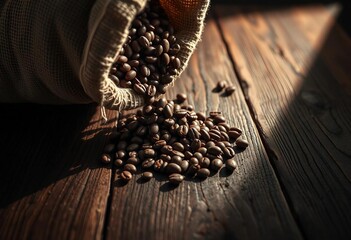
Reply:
x=52, y=186
x=246, y=205
x=294, y=66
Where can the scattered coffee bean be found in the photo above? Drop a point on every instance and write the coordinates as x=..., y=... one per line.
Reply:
x=229, y=90
x=181, y=97
x=203, y=173
x=231, y=164
x=147, y=175
x=221, y=85
x=105, y=158
x=216, y=164
x=118, y=163
x=126, y=175
x=242, y=143
x=176, y=178
x=130, y=167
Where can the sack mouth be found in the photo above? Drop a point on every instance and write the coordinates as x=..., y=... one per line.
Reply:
x=104, y=43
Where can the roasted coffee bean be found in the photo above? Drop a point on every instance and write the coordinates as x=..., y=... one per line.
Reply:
x=204, y=162
x=167, y=149
x=201, y=116
x=118, y=163
x=229, y=90
x=147, y=176
x=133, y=160
x=175, y=178
x=149, y=162
x=194, y=133
x=205, y=135
x=198, y=155
x=202, y=150
x=216, y=164
x=193, y=161
x=173, y=168
x=158, y=165
x=121, y=154
x=233, y=135
x=221, y=85
x=177, y=153
x=133, y=154
x=132, y=147
x=182, y=130
x=159, y=144
x=195, y=145
x=184, y=165
x=168, y=111
x=242, y=143
x=178, y=146
x=165, y=157
x=218, y=119
x=149, y=152
x=214, y=150
x=139, y=89
x=105, y=158
x=187, y=154
x=126, y=175
x=203, y=173
x=231, y=164
x=151, y=91
x=181, y=97
x=130, y=167
x=153, y=128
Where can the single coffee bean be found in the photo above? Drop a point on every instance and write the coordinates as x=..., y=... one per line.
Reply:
x=176, y=159
x=173, y=168
x=221, y=85
x=195, y=145
x=187, y=154
x=182, y=130
x=143, y=42
x=203, y=173
x=201, y=116
x=118, y=163
x=147, y=176
x=175, y=178
x=205, y=135
x=168, y=111
x=184, y=165
x=167, y=149
x=158, y=165
x=132, y=147
x=204, y=162
x=145, y=71
x=149, y=162
x=178, y=146
x=202, y=150
x=139, y=89
x=231, y=164
x=133, y=160
x=126, y=175
x=165, y=45
x=130, y=167
x=130, y=75
x=242, y=143
x=233, y=135
x=153, y=128
x=214, y=150
x=216, y=164
x=177, y=153
x=218, y=119
x=229, y=90
x=105, y=158
x=181, y=97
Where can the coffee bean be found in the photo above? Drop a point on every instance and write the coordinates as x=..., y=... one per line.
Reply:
x=167, y=149
x=184, y=165
x=178, y=146
x=149, y=162
x=147, y=176
x=176, y=159
x=216, y=164
x=175, y=178
x=144, y=42
x=218, y=119
x=203, y=173
x=214, y=150
x=229, y=90
x=195, y=145
x=173, y=168
x=205, y=135
x=165, y=157
x=126, y=175
x=105, y=158
x=158, y=165
x=233, y=135
x=130, y=167
x=132, y=147
x=204, y=162
x=242, y=143
x=202, y=150
x=118, y=163
x=182, y=130
x=231, y=164
x=168, y=111
x=221, y=85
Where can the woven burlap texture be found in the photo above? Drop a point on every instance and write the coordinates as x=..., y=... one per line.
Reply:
x=61, y=51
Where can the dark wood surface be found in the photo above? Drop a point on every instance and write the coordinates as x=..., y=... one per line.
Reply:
x=292, y=73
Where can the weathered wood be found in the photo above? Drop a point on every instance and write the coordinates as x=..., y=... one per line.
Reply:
x=52, y=186
x=294, y=66
x=246, y=205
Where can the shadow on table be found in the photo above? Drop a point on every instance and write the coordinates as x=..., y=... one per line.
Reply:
x=41, y=144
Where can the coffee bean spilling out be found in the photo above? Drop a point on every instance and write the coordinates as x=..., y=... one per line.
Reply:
x=148, y=60
x=171, y=138
x=223, y=85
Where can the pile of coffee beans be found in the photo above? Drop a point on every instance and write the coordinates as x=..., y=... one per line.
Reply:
x=148, y=60
x=172, y=138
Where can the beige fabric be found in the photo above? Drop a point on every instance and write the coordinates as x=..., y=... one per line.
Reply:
x=61, y=51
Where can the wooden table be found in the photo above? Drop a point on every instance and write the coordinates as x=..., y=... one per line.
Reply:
x=291, y=68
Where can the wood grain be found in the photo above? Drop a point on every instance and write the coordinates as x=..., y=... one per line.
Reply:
x=246, y=205
x=293, y=66
x=52, y=186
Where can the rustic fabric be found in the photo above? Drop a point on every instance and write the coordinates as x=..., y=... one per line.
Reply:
x=61, y=51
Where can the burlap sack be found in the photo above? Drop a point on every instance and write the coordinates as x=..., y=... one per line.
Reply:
x=61, y=51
